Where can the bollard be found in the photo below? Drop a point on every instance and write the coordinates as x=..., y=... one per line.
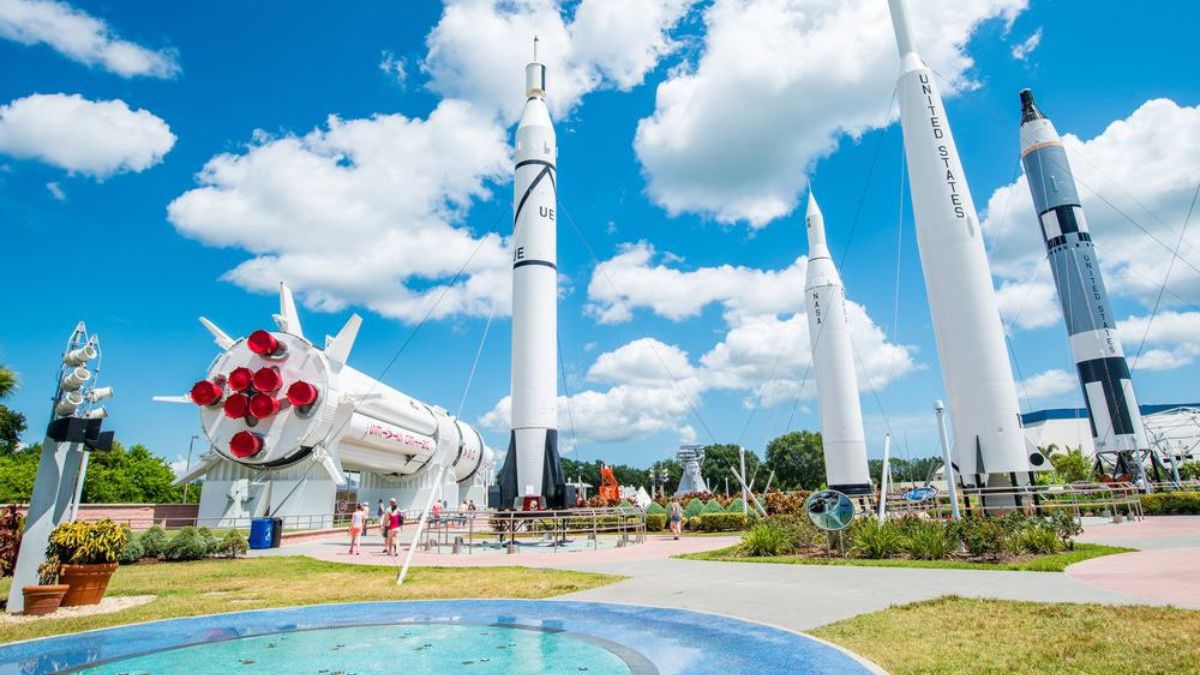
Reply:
x=458, y=544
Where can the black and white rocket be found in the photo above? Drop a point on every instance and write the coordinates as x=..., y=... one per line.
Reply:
x=842, y=438
x=989, y=445
x=1099, y=358
x=532, y=468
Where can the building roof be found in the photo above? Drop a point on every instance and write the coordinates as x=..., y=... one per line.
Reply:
x=1081, y=413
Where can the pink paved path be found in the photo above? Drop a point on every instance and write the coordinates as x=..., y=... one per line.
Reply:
x=1168, y=575
x=1167, y=568
x=656, y=547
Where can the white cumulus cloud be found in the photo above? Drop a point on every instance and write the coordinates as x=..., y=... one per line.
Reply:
x=777, y=86
x=81, y=37
x=1171, y=340
x=1049, y=383
x=363, y=211
x=95, y=138
x=479, y=48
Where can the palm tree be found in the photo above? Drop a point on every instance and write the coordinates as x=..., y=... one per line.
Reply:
x=8, y=381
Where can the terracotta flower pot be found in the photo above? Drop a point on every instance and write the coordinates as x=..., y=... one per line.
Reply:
x=43, y=600
x=87, y=582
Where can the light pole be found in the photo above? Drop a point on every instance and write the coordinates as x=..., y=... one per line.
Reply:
x=188, y=467
x=948, y=466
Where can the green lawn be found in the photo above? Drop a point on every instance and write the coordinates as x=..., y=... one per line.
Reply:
x=1048, y=563
x=959, y=635
x=213, y=586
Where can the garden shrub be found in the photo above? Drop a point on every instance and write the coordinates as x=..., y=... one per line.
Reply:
x=692, y=524
x=713, y=506
x=232, y=544
x=655, y=507
x=871, y=540
x=927, y=540
x=1039, y=540
x=81, y=543
x=722, y=522
x=764, y=539
x=210, y=541
x=133, y=551
x=656, y=522
x=1065, y=526
x=785, y=503
x=736, y=506
x=694, y=508
x=188, y=544
x=12, y=525
x=982, y=537
x=1171, y=503
x=154, y=542
x=799, y=532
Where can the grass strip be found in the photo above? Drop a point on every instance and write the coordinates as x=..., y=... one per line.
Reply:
x=1055, y=562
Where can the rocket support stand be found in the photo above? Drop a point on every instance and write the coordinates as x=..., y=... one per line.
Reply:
x=53, y=489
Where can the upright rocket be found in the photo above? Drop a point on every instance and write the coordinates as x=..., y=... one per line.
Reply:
x=842, y=437
x=532, y=472
x=1099, y=359
x=989, y=447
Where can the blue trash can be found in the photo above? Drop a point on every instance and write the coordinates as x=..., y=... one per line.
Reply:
x=260, y=532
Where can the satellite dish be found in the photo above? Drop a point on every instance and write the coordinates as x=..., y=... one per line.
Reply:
x=921, y=494
x=830, y=510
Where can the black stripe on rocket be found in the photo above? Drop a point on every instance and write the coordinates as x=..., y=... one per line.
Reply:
x=547, y=171
x=1111, y=373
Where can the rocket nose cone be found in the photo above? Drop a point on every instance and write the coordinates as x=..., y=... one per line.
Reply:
x=813, y=208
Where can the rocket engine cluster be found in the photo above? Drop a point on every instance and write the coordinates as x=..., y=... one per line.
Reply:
x=274, y=399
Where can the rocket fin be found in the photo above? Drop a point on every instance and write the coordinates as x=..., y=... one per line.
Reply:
x=206, y=462
x=338, y=348
x=288, y=319
x=174, y=399
x=219, y=336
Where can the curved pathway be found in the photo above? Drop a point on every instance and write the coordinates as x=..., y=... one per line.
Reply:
x=1163, y=570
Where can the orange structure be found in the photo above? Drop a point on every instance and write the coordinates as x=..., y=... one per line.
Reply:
x=609, y=489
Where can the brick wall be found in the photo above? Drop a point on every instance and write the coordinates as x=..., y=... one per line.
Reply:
x=139, y=516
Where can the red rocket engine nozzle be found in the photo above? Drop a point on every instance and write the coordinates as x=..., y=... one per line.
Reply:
x=206, y=392
x=236, y=406
x=302, y=394
x=268, y=379
x=263, y=406
x=241, y=379
x=245, y=444
x=264, y=344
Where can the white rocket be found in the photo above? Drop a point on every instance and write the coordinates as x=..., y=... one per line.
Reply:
x=274, y=399
x=966, y=319
x=532, y=467
x=842, y=436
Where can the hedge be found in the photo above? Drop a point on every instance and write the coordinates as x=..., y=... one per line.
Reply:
x=723, y=522
x=656, y=522
x=1171, y=503
x=713, y=506
x=694, y=508
x=655, y=507
x=735, y=506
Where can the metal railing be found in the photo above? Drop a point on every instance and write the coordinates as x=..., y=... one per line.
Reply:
x=1107, y=499
x=295, y=522
x=510, y=530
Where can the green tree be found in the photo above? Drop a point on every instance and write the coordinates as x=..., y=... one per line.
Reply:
x=12, y=423
x=720, y=462
x=17, y=471
x=130, y=475
x=797, y=460
x=1071, y=466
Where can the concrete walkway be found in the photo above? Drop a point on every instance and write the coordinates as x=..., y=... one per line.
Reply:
x=802, y=597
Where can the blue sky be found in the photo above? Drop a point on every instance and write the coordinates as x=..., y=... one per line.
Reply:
x=164, y=161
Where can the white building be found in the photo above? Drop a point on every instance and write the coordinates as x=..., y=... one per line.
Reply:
x=1171, y=429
